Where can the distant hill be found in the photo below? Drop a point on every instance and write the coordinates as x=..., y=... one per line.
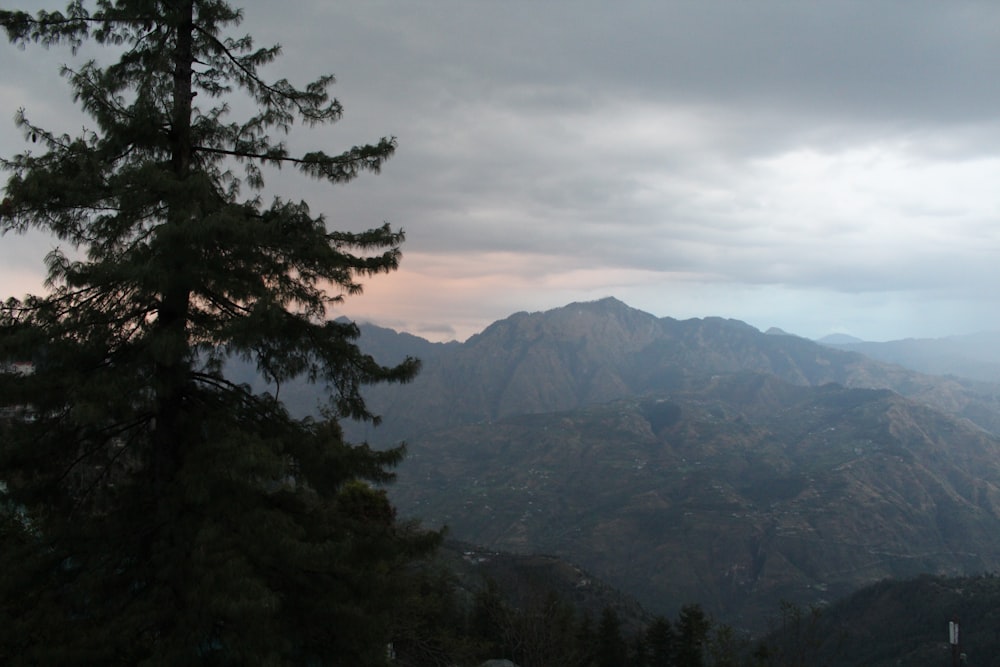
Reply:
x=736, y=491
x=386, y=346
x=839, y=339
x=976, y=356
x=775, y=331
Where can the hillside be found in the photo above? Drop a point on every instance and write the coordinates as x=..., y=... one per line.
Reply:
x=527, y=579
x=736, y=491
x=905, y=623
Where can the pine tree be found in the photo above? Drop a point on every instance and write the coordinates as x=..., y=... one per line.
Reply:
x=692, y=628
x=612, y=650
x=155, y=512
x=660, y=642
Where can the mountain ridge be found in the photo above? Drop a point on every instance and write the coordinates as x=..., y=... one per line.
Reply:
x=586, y=353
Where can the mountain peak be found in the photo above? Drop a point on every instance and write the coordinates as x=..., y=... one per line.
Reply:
x=569, y=321
x=839, y=339
x=608, y=305
x=605, y=303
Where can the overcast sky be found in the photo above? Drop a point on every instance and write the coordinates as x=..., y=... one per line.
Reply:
x=815, y=166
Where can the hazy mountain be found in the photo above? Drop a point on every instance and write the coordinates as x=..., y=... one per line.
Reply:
x=388, y=347
x=589, y=353
x=736, y=491
x=839, y=339
x=391, y=347
x=975, y=356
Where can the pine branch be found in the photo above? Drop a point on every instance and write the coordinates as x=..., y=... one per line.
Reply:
x=336, y=169
x=288, y=94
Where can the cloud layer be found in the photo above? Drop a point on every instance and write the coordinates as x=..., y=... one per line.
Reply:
x=812, y=166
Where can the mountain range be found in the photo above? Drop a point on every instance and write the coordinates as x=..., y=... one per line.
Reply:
x=588, y=353
x=692, y=461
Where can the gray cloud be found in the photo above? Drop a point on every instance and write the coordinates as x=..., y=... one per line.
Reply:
x=816, y=159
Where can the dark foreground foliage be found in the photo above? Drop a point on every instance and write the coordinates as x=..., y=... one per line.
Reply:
x=468, y=617
x=155, y=512
x=905, y=623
